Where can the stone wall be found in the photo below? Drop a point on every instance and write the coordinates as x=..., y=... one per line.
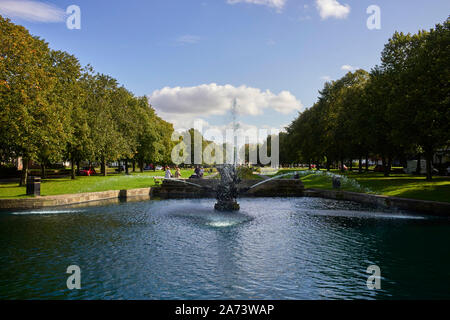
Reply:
x=273, y=188
x=420, y=206
x=69, y=199
x=206, y=189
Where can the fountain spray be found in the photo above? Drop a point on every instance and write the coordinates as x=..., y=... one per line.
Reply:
x=227, y=191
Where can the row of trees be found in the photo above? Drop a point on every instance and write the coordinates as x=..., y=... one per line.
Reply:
x=400, y=108
x=52, y=109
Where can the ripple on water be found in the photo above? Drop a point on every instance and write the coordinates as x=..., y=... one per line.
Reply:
x=302, y=248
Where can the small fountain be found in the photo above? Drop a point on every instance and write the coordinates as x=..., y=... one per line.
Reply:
x=227, y=190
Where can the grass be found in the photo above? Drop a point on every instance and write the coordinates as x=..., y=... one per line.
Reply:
x=396, y=185
x=88, y=184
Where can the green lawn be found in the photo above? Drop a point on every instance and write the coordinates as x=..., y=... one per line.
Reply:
x=89, y=184
x=397, y=185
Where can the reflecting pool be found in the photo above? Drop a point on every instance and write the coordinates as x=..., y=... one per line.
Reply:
x=274, y=248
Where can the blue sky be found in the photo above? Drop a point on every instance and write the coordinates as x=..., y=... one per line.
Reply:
x=192, y=56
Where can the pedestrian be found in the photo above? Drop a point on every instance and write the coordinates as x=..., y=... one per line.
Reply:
x=177, y=173
x=168, y=174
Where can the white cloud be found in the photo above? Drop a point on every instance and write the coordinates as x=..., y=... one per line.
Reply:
x=185, y=106
x=277, y=4
x=213, y=99
x=332, y=9
x=347, y=67
x=188, y=39
x=31, y=10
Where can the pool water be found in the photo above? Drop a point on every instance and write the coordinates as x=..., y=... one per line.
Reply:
x=274, y=248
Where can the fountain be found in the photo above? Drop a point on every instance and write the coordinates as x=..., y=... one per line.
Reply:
x=229, y=187
x=227, y=191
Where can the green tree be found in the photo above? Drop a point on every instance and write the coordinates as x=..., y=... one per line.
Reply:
x=418, y=68
x=32, y=120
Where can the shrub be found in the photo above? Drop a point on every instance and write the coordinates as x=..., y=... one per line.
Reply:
x=8, y=171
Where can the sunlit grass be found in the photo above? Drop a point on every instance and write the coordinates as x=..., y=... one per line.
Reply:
x=397, y=185
x=89, y=184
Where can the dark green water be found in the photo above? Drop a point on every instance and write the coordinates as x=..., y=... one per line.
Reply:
x=302, y=248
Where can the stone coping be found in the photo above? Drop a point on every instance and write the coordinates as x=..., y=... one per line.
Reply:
x=69, y=199
x=420, y=206
x=205, y=189
x=434, y=208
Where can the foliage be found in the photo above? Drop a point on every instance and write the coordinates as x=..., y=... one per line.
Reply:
x=53, y=110
x=398, y=109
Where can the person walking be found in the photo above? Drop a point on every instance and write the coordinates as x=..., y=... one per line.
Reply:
x=168, y=174
x=197, y=171
x=177, y=173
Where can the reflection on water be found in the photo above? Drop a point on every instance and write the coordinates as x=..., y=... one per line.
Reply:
x=303, y=248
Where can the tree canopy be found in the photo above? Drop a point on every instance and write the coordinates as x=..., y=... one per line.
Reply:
x=401, y=107
x=52, y=109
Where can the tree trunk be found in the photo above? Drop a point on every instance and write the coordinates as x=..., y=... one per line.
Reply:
x=367, y=163
x=389, y=166
x=72, y=171
x=386, y=166
x=419, y=167
x=342, y=165
x=351, y=165
x=24, y=177
x=328, y=165
x=78, y=167
x=134, y=165
x=126, y=167
x=360, y=164
x=309, y=165
x=141, y=165
x=104, y=172
x=43, y=170
x=429, y=158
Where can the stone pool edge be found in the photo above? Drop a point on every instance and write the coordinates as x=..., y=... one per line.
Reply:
x=434, y=208
x=420, y=206
x=70, y=199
